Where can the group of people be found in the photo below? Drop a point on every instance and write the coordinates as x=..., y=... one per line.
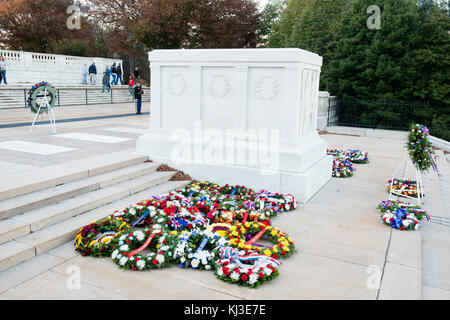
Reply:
x=115, y=72
x=3, y=70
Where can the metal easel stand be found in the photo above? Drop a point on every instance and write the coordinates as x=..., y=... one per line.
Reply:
x=51, y=115
x=393, y=195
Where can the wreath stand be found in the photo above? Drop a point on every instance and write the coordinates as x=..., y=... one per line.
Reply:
x=420, y=189
x=51, y=115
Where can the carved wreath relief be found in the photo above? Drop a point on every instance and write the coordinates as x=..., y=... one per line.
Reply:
x=176, y=85
x=266, y=88
x=219, y=86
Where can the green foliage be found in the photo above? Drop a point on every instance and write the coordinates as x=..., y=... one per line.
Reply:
x=419, y=147
x=407, y=59
x=71, y=47
x=312, y=26
x=270, y=16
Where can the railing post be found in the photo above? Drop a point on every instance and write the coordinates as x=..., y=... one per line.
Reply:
x=111, y=95
x=59, y=100
x=86, y=96
x=25, y=97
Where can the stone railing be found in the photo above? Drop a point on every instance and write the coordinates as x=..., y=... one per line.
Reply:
x=31, y=67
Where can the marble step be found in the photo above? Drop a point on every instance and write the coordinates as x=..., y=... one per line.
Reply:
x=18, y=205
x=33, y=180
x=28, y=246
x=54, y=213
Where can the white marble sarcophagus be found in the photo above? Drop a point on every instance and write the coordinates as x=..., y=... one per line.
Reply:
x=239, y=116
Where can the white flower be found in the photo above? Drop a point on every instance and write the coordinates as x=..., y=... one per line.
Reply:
x=123, y=260
x=219, y=272
x=132, y=259
x=183, y=260
x=139, y=235
x=140, y=264
x=207, y=267
x=267, y=271
x=124, y=247
x=406, y=223
x=114, y=254
x=132, y=211
x=253, y=278
x=190, y=256
x=195, y=263
x=165, y=248
x=123, y=237
x=234, y=276
x=160, y=258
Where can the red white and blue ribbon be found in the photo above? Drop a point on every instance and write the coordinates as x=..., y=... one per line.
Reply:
x=233, y=255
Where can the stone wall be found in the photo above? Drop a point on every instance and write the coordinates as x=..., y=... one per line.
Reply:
x=31, y=67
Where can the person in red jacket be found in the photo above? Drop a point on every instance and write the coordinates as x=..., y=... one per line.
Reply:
x=131, y=86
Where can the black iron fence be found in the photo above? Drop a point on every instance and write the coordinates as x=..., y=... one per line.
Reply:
x=389, y=115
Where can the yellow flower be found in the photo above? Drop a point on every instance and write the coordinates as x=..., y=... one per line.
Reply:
x=241, y=245
x=234, y=233
x=248, y=247
x=268, y=253
x=92, y=243
x=174, y=233
x=233, y=241
x=274, y=249
x=285, y=243
x=247, y=224
x=158, y=245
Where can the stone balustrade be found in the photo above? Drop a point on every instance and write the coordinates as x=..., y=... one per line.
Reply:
x=31, y=67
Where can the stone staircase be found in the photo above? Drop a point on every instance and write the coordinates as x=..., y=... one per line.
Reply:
x=41, y=212
x=15, y=96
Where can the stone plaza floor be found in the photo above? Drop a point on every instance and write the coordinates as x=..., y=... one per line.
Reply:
x=342, y=248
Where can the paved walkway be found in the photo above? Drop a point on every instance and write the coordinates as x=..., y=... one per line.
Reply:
x=12, y=117
x=343, y=249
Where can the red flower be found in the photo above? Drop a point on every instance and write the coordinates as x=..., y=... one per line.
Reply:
x=155, y=261
x=261, y=275
x=134, y=269
x=244, y=277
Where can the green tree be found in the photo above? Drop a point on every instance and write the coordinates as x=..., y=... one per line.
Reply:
x=318, y=29
x=376, y=63
x=270, y=16
x=282, y=30
x=433, y=63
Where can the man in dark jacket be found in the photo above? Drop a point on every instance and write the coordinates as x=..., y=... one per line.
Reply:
x=138, y=92
x=114, y=74
x=92, y=73
x=136, y=74
x=119, y=75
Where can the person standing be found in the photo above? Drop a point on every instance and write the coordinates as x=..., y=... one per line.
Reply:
x=85, y=72
x=136, y=73
x=119, y=75
x=108, y=73
x=131, y=86
x=114, y=74
x=3, y=70
x=92, y=73
x=138, y=92
x=105, y=82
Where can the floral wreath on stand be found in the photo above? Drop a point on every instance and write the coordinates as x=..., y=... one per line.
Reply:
x=403, y=187
x=35, y=90
x=420, y=149
x=95, y=239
